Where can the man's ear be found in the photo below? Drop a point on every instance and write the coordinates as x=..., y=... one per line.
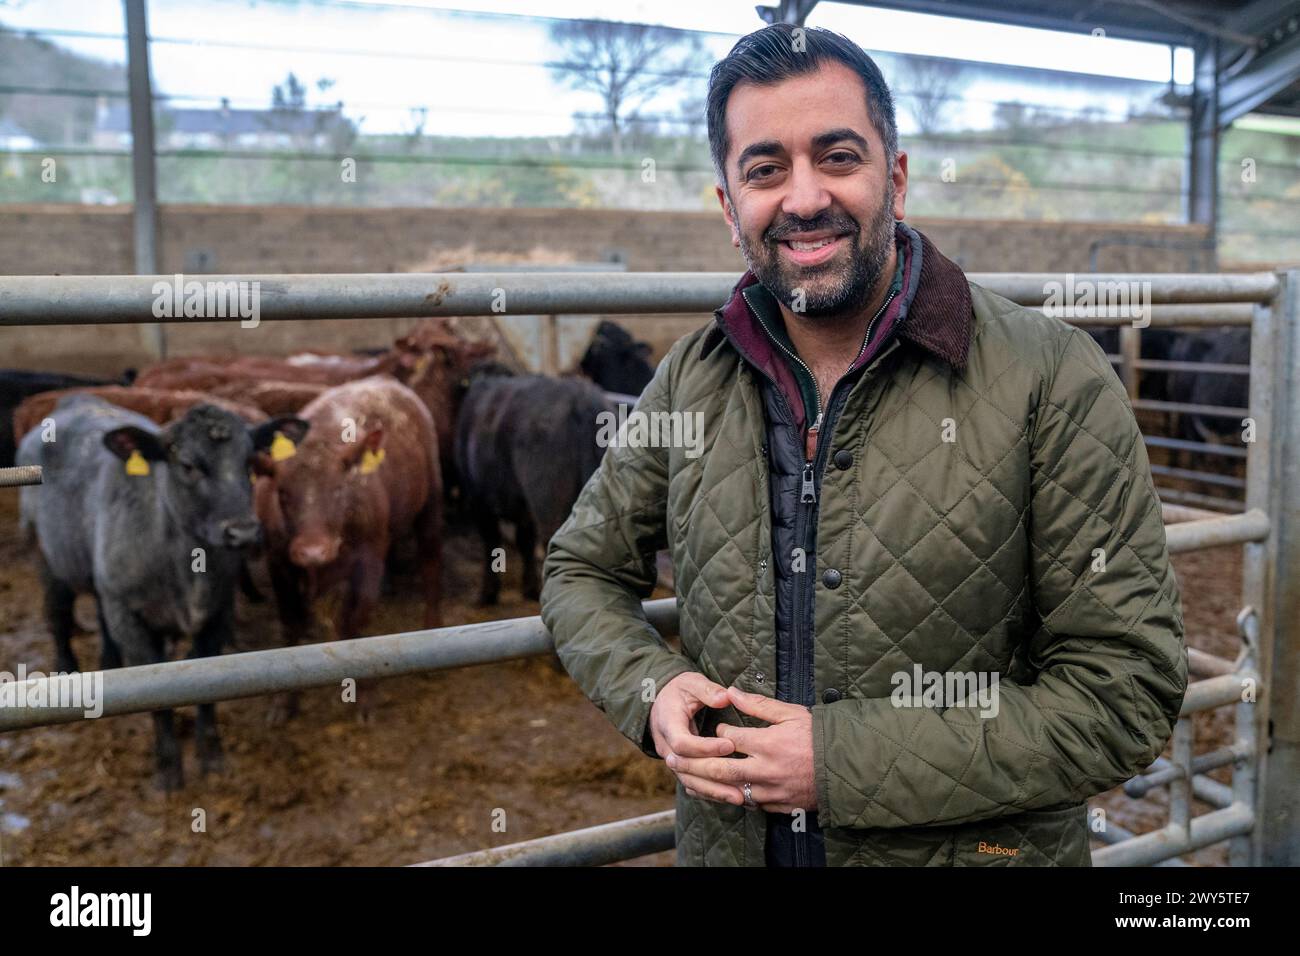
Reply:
x=899, y=175
x=125, y=441
x=728, y=213
x=290, y=427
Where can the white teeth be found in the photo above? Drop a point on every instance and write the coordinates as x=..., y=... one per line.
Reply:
x=809, y=246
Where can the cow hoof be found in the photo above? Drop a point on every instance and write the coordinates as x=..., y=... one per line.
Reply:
x=487, y=600
x=66, y=665
x=532, y=594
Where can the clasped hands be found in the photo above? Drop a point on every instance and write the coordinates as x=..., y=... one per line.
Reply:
x=777, y=761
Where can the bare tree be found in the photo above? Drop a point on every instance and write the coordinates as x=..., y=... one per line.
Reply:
x=626, y=64
x=929, y=87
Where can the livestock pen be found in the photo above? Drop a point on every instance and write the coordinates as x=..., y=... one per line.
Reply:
x=1259, y=814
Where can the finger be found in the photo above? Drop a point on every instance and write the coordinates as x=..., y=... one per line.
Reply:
x=773, y=798
x=692, y=745
x=705, y=691
x=711, y=790
x=747, y=740
x=764, y=708
x=721, y=770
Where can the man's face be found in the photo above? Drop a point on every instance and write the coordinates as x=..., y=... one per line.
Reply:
x=812, y=202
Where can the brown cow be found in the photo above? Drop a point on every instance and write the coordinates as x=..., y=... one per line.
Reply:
x=434, y=360
x=273, y=397
x=366, y=473
x=205, y=372
x=159, y=405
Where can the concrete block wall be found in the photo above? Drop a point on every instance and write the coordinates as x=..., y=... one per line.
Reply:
x=76, y=240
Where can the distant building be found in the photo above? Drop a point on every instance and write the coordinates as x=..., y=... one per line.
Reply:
x=223, y=127
x=13, y=136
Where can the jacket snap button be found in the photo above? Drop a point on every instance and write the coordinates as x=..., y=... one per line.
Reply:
x=762, y=565
x=831, y=696
x=760, y=677
x=832, y=578
x=843, y=460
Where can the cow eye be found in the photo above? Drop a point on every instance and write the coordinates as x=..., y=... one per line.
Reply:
x=190, y=470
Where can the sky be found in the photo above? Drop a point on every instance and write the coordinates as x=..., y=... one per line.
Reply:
x=481, y=75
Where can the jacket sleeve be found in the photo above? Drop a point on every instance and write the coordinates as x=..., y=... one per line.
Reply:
x=1106, y=662
x=600, y=565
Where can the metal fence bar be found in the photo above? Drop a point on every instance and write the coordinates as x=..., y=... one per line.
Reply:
x=593, y=846
x=1209, y=477
x=20, y=475
x=1203, y=447
x=1171, y=841
x=203, y=680
x=1213, y=532
x=1229, y=505
x=96, y=300
x=1215, y=411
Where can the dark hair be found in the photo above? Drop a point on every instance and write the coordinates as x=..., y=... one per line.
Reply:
x=769, y=56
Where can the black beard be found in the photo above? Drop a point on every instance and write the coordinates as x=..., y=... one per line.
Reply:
x=852, y=283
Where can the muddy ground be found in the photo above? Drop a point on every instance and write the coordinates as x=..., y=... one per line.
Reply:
x=428, y=774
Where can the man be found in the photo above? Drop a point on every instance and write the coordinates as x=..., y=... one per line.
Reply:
x=925, y=602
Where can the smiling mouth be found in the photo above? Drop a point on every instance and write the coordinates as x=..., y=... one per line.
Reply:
x=809, y=246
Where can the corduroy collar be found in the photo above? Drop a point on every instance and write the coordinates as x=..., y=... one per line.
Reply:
x=935, y=312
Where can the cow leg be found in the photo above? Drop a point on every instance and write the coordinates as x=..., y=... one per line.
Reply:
x=490, y=531
x=295, y=618
x=526, y=542
x=110, y=656
x=359, y=600
x=428, y=537
x=247, y=586
x=208, y=643
x=139, y=647
x=59, y=602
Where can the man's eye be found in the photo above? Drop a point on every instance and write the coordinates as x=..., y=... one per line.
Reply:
x=842, y=158
x=761, y=172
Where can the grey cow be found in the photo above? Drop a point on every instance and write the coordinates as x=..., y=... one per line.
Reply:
x=151, y=521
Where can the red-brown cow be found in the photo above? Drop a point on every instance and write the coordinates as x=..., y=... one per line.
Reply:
x=366, y=473
x=273, y=397
x=322, y=368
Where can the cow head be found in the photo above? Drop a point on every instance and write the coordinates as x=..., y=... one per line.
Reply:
x=204, y=459
x=617, y=362
x=318, y=492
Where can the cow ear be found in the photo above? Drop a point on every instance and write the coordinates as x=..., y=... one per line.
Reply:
x=291, y=428
x=128, y=440
x=374, y=439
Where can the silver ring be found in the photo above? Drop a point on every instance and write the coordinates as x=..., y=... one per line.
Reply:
x=749, y=796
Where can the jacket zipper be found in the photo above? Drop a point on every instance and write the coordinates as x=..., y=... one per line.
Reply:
x=808, y=496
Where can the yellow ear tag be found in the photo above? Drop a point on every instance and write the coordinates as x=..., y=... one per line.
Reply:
x=136, y=466
x=370, y=461
x=282, y=447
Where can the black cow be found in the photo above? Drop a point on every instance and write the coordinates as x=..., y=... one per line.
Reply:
x=17, y=384
x=1229, y=346
x=617, y=362
x=151, y=522
x=525, y=446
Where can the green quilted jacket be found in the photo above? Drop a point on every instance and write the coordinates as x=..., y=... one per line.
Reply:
x=998, y=518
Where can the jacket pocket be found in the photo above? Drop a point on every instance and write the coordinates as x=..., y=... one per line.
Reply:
x=1033, y=838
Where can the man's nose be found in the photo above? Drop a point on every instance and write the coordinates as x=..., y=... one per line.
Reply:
x=806, y=196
